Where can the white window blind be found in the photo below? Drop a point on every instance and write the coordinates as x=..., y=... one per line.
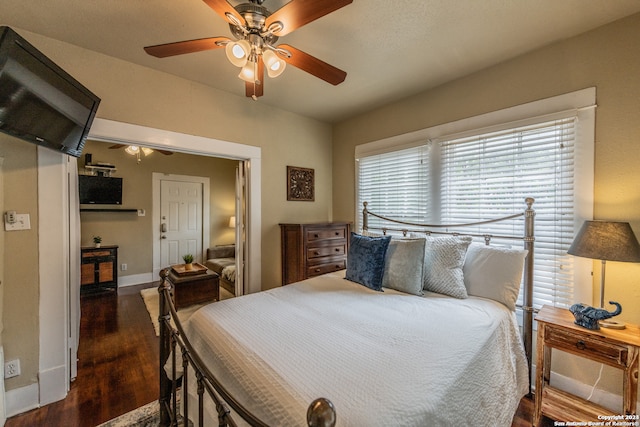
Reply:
x=489, y=175
x=484, y=176
x=396, y=183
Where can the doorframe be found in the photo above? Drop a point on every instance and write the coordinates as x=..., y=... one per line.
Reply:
x=119, y=132
x=156, y=178
x=55, y=314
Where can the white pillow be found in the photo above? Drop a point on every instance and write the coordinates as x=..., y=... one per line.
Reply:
x=403, y=266
x=443, y=260
x=494, y=272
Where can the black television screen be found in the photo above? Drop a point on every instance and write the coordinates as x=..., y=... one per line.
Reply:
x=99, y=190
x=39, y=101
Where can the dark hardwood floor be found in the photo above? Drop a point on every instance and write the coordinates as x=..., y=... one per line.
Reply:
x=117, y=367
x=117, y=364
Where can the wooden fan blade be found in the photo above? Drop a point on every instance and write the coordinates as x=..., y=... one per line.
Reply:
x=165, y=152
x=254, y=90
x=187, y=46
x=313, y=65
x=297, y=13
x=116, y=146
x=222, y=7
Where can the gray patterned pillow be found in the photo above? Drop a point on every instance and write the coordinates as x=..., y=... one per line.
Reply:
x=443, y=261
x=403, y=266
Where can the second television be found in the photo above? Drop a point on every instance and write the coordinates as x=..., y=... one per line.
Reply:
x=100, y=190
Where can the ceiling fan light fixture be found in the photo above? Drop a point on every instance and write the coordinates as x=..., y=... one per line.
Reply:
x=238, y=52
x=146, y=150
x=132, y=149
x=275, y=66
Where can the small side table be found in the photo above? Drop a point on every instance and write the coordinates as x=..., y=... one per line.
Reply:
x=617, y=348
x=194, y=288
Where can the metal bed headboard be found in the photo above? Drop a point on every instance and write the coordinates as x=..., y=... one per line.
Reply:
x=527, y=237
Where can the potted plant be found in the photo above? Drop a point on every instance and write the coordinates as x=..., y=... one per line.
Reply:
x=188, y=261
x=97, y=240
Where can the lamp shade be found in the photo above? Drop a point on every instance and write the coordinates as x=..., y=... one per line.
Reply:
x=238, y=52
x=275, y=66
x=232, y=222
x=606, y=240
x=248, y=73
x=132, y=149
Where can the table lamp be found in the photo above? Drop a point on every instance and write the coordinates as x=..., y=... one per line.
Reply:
x=606, y=241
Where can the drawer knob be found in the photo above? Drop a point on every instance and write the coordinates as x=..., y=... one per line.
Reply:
x=337, y=249
x=317, y=270
x=580, y=345
x=337, y=233
x=316, y=236
x=316, y=253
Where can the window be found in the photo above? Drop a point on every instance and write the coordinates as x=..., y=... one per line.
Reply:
x=484, y=173
x=397, y=184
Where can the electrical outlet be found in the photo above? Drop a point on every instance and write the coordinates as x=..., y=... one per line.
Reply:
x=12, y=368
x=123, y=267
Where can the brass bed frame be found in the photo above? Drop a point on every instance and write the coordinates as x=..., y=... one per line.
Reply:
x=321, y=412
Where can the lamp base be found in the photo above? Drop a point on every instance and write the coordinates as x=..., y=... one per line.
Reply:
x=611, y=324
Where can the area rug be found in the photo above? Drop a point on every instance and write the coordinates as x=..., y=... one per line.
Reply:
x=151, y=301
x=144, y=416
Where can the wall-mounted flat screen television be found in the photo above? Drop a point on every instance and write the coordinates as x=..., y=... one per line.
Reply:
x=99, y=190
x=39, y=101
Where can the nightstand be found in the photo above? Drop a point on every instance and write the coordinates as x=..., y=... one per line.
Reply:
x=617, y=348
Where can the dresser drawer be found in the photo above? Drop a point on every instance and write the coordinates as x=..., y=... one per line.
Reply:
x=328, y=267
x=97, y=253
x=318, y=234
x=323, y=251
x=590, y=347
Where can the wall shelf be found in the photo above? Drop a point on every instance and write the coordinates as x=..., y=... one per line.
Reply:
x=107, y=210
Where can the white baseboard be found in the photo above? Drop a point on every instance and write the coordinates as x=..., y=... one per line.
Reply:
x=53, y=384
x=22, y=399
x=136, y=279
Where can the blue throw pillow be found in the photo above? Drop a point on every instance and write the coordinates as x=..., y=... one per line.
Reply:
x=365, y=260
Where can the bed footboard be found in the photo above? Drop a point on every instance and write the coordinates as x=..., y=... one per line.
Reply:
x=174, y=345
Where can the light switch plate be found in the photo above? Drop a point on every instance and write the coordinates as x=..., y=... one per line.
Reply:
x=22, y=222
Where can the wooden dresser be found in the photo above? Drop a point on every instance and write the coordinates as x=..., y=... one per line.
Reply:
x=313, y=249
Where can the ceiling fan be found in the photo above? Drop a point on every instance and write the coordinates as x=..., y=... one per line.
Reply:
x=138, y=151
x=256, y=31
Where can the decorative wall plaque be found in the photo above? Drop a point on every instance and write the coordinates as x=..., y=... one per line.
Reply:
x=300, y=184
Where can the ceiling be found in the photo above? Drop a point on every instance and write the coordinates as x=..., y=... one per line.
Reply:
x=389, y=49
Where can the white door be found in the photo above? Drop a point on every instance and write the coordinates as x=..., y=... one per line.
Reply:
x=180, y=221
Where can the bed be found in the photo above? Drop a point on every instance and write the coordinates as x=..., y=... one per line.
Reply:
x=397, y=355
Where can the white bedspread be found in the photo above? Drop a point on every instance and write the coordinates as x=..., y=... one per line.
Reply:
x=382, y=358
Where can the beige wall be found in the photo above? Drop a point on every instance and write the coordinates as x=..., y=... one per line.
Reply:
x=607, y=58
x=133, y=233
x=138, y=95
x=20, y=282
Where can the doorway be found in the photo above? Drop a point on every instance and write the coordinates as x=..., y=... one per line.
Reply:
x=251, y=165
x=51, y=329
